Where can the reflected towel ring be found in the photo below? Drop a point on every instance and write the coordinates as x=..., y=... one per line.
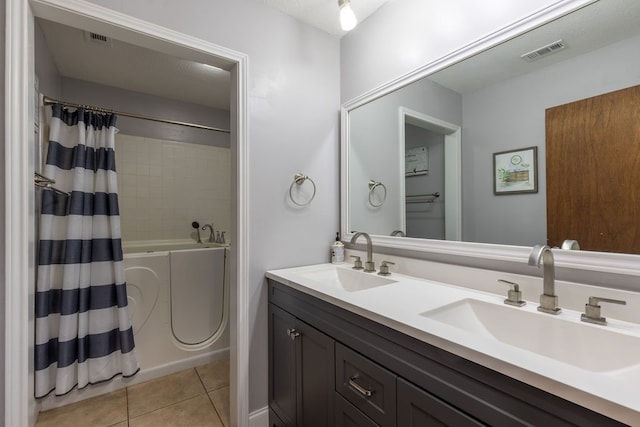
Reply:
x=372, y=186
x=299, y=179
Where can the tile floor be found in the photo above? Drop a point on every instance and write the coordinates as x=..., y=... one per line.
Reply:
x=193, y=397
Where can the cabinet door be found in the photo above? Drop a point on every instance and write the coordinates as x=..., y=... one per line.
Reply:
x=418, y=408
x=301, y=372
x=282, y=365
x=316, y=378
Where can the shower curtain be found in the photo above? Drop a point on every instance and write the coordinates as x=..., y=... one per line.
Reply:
x=83, y=332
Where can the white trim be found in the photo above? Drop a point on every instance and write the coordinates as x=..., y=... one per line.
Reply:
x=17, y=218
x=259, y=418
x=19, y=189
x=624, y=264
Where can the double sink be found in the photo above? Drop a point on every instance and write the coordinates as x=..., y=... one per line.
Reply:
x=564, y=338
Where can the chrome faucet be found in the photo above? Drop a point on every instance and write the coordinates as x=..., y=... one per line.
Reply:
x=548, y=299
x=369, y=267
x=210, y=227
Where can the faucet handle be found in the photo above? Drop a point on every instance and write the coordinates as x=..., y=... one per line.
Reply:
x=592, y=310
x=357, y=264
x=384, y=268
x=514, y=295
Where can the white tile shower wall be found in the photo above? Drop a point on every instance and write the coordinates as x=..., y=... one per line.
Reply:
x=164, y=186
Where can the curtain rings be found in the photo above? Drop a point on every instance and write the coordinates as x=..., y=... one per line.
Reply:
x=299, y=179
x=372, y=186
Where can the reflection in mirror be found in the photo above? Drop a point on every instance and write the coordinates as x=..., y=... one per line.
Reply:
x=496, y=102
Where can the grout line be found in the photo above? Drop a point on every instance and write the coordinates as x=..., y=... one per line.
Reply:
x=126, y=393
x=201, y=380
x=215, y=408
x=173, y=403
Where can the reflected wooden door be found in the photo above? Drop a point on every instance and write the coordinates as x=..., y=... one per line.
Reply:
x=593, y=172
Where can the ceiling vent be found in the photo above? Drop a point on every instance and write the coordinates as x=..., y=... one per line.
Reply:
x=97, y=38
x=536, y=54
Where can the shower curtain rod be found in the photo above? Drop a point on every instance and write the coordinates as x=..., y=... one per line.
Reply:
x=49, y=101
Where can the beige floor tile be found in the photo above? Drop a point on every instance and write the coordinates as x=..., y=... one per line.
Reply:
x=197, y=411
x=100, y=411
x=156, y=394
x=220, y=399
x=215, y=375
x=122, y=424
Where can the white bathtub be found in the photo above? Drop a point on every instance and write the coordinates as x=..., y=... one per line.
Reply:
x=179, y=322
x=178, y=302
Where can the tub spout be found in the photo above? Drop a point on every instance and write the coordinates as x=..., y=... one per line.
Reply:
x=210, y=227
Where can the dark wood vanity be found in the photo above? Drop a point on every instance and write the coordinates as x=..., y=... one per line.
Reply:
x=331, y=367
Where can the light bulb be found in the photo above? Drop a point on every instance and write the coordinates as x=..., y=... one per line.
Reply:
x=348, y=19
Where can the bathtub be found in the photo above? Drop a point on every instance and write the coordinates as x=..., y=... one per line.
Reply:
x=178, y=302
x=178, y=305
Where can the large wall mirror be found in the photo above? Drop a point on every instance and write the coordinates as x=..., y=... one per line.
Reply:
x=457, y=157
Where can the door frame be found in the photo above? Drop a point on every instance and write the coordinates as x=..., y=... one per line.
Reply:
x=19, y=404
x=452, y=167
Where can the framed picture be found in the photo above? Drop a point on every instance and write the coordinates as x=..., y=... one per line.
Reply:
x=515, y=171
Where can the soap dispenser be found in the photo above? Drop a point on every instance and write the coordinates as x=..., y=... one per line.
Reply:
x=337, y=251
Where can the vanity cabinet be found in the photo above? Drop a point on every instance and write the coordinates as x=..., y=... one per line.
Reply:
x=301, y=372
x=344, y=369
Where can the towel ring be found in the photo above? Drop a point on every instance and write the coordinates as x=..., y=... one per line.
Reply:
x=372, y=186
x=299, y=179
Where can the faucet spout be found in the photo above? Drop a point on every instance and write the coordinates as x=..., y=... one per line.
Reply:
x=369, y=265
x=548, y=299
x=210, y=227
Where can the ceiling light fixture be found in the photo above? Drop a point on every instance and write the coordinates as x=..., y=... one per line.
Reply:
x=348, y=19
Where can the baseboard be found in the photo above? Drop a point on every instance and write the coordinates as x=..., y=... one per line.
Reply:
x=259, y=418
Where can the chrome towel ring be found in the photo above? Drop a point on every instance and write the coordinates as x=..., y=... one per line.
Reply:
x=299, y=179
x=372, y=186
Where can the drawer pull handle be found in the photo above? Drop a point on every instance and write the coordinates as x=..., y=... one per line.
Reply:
x=293, y=334
x=358, y=387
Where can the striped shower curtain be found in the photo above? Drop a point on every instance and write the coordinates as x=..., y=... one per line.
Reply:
x=83, y=332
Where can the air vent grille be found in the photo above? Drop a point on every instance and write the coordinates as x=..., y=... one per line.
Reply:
x=97, y=38
x=536, y=54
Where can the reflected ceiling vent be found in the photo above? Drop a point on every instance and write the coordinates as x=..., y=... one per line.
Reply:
x=97, y=38
x=536, y=54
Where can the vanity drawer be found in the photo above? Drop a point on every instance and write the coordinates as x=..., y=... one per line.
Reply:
x=367, y=385
x=348, y=415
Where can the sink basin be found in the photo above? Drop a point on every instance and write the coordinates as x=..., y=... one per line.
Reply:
x=593, y=348
x=345, y=279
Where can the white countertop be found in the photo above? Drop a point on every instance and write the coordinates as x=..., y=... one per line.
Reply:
x=615, y=393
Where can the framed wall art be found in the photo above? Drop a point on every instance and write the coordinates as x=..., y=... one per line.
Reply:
x=515, y=171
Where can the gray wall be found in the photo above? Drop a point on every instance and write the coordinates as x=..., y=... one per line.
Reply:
x=375, y=154
x=510, y=115
x=293, y=88
x=52, y=84
x=49, y=79
x=2, y=206
x=83, y=92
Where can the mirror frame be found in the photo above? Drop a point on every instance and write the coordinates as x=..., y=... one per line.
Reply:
x=603, y=262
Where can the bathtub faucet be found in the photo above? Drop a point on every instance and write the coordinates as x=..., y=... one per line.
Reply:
x=211, y=236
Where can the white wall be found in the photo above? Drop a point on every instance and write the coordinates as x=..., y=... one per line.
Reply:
x=406, y=34
x=293, y=127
